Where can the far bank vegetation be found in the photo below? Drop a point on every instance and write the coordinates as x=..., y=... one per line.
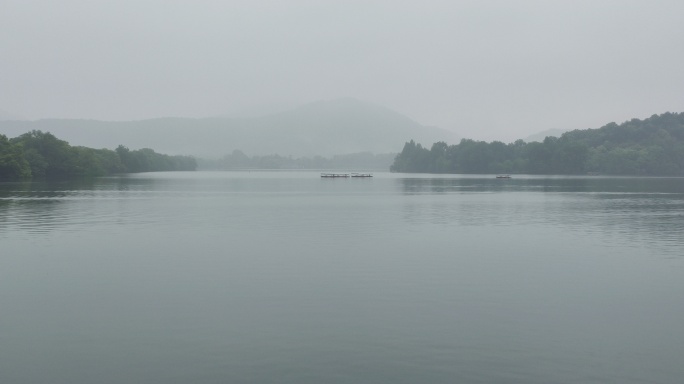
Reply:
x=649, y=147
x=39, y=154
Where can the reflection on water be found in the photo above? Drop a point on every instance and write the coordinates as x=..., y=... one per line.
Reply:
x=73, y=205
x=631, y=210
x=522, y=183
x=638, y=210
x=285, y=277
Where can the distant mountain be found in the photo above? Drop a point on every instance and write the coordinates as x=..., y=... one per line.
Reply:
x=542, y=135
x=324, y=128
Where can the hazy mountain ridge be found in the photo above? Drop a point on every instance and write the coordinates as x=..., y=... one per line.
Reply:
x=540, y=136
x=323, y=128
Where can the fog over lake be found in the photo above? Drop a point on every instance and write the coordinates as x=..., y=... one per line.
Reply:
x=258, y=277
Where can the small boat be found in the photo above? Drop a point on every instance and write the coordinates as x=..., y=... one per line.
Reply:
x=503, y=176
x=361, y=175
x=334, y=175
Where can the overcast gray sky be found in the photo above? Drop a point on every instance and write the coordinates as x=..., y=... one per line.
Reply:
x=489, y=69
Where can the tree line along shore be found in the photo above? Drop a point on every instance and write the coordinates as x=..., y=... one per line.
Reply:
x=39, y=154
x=649, y=147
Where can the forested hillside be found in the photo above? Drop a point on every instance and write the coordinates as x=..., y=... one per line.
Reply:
x=653, y=146
x=39, y=154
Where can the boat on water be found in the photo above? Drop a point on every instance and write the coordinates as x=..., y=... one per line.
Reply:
x=331, y=175
x=361, y=175
x=503, y=176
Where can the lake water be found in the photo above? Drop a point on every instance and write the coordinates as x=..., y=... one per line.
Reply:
x=285, y=277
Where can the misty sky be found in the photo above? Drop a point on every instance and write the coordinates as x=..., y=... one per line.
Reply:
x=488, y=69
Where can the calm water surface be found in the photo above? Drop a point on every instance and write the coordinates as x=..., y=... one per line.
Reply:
x=284, y=277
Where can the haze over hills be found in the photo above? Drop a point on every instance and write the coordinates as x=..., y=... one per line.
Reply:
x=540, y=136
x=322, y=128
x=259, y=110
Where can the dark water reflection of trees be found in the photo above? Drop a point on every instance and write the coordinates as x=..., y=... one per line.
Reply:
x=639, y=210
x=43, y=206
x=488, y=183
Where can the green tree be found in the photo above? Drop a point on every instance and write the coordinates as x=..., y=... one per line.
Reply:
x=13, y=164
x=47, y=155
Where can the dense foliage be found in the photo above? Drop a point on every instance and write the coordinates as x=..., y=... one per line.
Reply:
x=654, y=146
x=41, y=154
